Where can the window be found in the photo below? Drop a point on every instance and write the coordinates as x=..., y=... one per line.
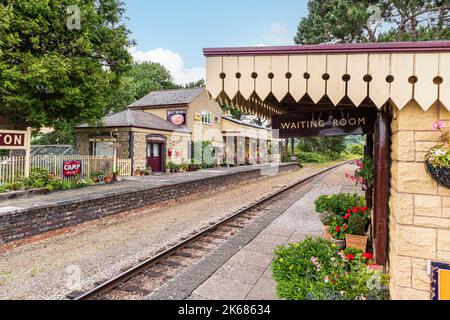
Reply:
x=103, y=149
x=206, y=117
x=216, y=119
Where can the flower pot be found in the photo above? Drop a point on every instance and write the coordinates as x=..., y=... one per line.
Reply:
x=339, y=243
x=440, y=175
x=326, y=232
x=356, y=242
x=108, y=179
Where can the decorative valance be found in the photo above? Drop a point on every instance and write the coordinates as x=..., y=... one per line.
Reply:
x=258, y=80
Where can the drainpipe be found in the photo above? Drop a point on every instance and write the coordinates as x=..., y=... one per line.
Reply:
x=131, y=150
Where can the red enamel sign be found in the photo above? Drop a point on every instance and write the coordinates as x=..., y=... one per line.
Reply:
x=71, y=168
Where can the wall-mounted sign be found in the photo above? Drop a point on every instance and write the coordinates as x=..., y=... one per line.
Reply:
x=325, y=123
x=198, y=117
x=72, y=168
x=440, y=281
x=177, y=118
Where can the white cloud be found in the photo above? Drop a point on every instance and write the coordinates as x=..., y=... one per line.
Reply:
x=172, y=61
x=278, y=33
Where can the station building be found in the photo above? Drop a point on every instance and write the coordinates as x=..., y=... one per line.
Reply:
x=163, y=126
x=401, y=89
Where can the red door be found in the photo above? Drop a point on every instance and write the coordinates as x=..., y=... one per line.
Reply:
x=154, y=154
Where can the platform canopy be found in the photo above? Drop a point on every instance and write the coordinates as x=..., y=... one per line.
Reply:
x=276, y=80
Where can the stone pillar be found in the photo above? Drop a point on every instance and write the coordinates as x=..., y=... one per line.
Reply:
x=419, y=208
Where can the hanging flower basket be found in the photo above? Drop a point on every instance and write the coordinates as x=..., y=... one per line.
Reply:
x=440, y=175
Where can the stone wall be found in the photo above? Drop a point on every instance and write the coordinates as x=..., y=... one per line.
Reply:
x=83, y=136
x=420, y=208
x=25, y=223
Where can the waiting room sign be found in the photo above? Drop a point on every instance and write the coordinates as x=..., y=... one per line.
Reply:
x=357, y=121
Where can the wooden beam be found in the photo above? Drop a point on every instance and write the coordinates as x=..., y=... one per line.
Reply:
x=382, y=174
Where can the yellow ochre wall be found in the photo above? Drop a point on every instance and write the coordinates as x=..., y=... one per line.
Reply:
x=419, y=207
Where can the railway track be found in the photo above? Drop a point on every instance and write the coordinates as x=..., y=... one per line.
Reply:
x=146, y=277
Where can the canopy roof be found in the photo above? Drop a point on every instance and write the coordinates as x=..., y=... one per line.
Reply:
x=274, y=80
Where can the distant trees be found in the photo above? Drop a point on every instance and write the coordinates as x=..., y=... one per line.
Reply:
x=337, y=21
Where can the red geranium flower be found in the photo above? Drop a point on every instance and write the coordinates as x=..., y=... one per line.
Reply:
x=355, y=210
x=350, y=257
x=347, y=216
x=345, y=227
x=349, y=211
x=364, y=209
x=368, y=256
x=338, y=229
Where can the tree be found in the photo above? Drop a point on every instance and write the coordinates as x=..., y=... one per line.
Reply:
x=349, y=21
x=150, y=76
x=197, y=84
x=57, y=65
x=334, y=145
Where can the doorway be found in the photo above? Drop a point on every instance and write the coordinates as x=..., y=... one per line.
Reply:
x=154, y=156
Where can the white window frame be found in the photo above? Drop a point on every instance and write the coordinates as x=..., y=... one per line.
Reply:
x=206, y=117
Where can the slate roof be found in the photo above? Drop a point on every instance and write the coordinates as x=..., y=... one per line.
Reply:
x=168, y=97
x=138, y=119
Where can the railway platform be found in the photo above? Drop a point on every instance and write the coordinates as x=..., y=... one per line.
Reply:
x=42, y=214
x=245, y=269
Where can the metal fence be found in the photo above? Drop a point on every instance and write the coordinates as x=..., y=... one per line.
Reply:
x=13, y=168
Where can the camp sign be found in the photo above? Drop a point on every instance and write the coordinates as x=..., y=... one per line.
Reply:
x=72, y=168
x=12, y=139
x=358, y=121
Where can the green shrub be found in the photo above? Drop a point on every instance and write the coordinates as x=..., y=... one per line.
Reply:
x=39, y=178
x=357, y=149
x=338, y=203
x=357, y=225
x=315, y=270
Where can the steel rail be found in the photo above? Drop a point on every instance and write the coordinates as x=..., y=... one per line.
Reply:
x=127, y=275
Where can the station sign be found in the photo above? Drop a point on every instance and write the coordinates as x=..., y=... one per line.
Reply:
x=72, y=168
x=13, y=139
x=358, y=121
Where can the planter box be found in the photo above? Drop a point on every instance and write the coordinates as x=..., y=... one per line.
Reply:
x=356, y=242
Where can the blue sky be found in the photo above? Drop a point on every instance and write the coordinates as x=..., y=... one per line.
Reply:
x=174, y=32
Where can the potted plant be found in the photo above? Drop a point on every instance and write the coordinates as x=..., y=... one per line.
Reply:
x=326, y=218
x=148, y=171
x=338, y=230
x=365, y=174
x=108, y=178
x=437, y=160
x=137, y=172
x=95, y=177
x=357, y=220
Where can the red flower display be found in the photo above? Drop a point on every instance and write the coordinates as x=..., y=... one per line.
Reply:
x=368, y=256
x=338, y=229
x=364, y=209
x=355, y=210
x=350, y=257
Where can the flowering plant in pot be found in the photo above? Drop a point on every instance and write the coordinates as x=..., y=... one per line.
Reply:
x=437, y=160
x=357, y=220
x=365, y=174
x=338, y=230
